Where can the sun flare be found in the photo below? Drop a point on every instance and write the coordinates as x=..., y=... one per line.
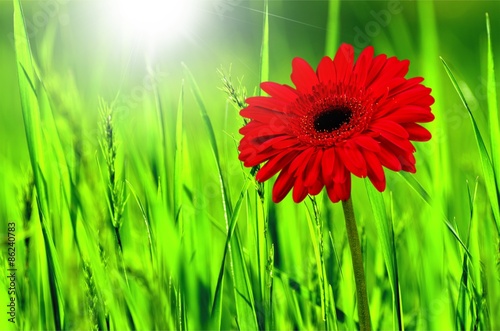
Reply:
x=156, y=20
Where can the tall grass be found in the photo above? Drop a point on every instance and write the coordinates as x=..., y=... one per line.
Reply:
x=142, y=217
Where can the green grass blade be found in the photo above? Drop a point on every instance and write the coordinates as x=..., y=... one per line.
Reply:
x=216, y=306
x=246, y=314
x=440, y=162
x=213, y=142
x=178, y=160
x=315, y=242
x=386, y=238
x=493, y=114
x=419, y=189
x=145, y=217
x=332, y=27
x=430, y=44
x=27, y=89
x=264, y=50
x=463, y=292
x=489, y=174
x=261, y=232
x=28, y=83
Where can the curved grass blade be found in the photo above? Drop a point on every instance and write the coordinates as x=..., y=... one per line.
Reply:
x=386, y=232
x=419, y=189
x=30, y=104
x=216, y=305
x=464, y=292
x=493, y=114
x=245, y=309
x=489, y=173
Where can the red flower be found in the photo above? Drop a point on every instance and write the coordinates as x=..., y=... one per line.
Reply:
x=344, y=118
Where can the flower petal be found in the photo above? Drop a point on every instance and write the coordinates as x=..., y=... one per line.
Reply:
x=330, y=190
x=417, y=132
x=264, y=115
x=256, y=129
x=287, y=143
x=327, y=163
x=376, y=67
x=362, y=66
x=343, y=62
x=274, y=165
x=299, y=190
x=283, y=185
x=271, y=103
x=367, y=142
x=419, y=95
x=316, y=187
x=392, y=127
x=251, y=157
x=279, y=91
x=353, y=160
x=406, y=158
x=375, y=170
x=408, y=84
x=313, y=169
x=303, y=75
x=391, y=68
x=326, y=70
x=404, y=144
x=301, y=159
x=411, y=114
x=388, y=159
x=272, y=142
x=343, y=191
x=340, y=171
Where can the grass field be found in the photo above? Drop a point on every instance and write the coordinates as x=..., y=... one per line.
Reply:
x=124, y=199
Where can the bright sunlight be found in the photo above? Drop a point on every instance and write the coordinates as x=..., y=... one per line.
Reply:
x=156, y=20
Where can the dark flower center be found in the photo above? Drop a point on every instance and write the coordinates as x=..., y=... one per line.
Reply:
x=332, y=119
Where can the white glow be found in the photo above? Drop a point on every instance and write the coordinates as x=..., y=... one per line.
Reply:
x=156, y=20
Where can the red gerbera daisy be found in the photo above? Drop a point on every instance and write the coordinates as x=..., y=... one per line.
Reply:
x=347, y=117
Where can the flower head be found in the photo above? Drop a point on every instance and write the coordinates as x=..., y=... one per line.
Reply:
x=345, y=117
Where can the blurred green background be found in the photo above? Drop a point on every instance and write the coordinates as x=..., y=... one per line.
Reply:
x=164, y=271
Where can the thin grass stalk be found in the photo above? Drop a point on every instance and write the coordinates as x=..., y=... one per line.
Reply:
x=323, y=276
x=265, y=261
x=115, y=189
x=398, y=306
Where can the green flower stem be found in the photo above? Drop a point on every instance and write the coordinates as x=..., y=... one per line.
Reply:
x=357, y=264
